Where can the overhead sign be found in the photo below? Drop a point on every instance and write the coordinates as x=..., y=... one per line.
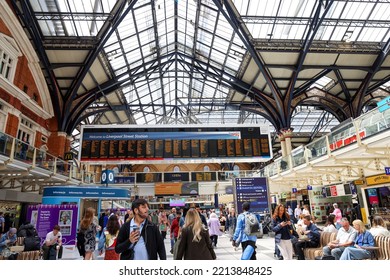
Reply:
x=84, y=192
x=384, y=104
x=107, y=177
x=68, y=156
x=377, y=180
x=253, y=190
x=187, y=188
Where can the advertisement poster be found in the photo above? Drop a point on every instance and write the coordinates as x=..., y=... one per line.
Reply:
x=45, y=217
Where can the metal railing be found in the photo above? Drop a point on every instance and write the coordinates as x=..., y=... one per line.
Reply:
x=369, y=124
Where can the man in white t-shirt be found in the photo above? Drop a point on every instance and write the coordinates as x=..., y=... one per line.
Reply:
x=53, y=243
x=345, y=237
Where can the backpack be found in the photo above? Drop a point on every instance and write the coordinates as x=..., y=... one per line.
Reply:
x=252, y=225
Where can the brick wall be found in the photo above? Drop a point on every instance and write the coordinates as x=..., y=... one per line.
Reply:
x=12, y=125
x=57, y=144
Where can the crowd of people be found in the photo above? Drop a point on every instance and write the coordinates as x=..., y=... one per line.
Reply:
x=193, y=233
x=297, y=230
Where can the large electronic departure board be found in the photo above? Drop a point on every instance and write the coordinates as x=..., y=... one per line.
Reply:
x=171, y=144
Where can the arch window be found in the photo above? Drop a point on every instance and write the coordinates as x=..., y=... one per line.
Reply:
x=176, y=169
x=9, y=53
x=146, y=169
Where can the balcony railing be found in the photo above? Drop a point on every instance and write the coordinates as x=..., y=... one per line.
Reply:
x=369, y=124
x=12, y=149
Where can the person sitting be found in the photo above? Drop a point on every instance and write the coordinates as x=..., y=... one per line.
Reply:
x=313, y=238
x=345, y=237
x=363, y=240
x=378, y=227
x=7, y=239
x=330, y=225
x=53, y=243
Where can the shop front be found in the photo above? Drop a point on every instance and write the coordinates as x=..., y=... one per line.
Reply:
x=377, y=195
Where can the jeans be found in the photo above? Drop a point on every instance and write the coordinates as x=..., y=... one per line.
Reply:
x=353, y=253
x=249, y=243
x=214, y=239
x=335, y=252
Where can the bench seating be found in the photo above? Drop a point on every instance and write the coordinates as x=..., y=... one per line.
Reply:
x=325, y=238
x=25, y=255
x=383, y=253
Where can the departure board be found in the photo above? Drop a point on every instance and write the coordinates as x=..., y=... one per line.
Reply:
x=132, y=149
x=86, y=150
x=141, y=148
x=176, y=148
x=122, y=148
x=230, y=148
x=168, y=153
x=221, y=148
x=264, y=145
x=175, y=144
x=256, y=147
x=247, y=147
x=239, y=148
x=149, y=148
x=104, y=148
x=159, y=148
x=186, y=148
x=113, y=149
x=195, y=148
x=203, y=147
x=95, y=149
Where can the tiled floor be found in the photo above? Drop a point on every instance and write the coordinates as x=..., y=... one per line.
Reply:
x=224, y=250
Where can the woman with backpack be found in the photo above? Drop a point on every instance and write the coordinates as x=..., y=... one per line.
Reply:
x=282, y=226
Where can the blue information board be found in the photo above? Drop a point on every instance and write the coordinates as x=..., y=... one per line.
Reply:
x=84, y=192
x=253, y=190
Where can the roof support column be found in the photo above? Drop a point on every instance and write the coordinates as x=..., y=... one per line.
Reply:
x=282, y=144
x=287, y=134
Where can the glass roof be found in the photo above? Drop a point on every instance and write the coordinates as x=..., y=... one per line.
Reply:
x=289, y=19
x=180, y=87
x=188, y=61
x=71, y=17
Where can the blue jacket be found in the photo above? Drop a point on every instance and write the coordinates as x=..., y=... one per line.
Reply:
x=4, y=238
x=366, y=241
x=239, y=233
x=280, y=232
x=314, y=234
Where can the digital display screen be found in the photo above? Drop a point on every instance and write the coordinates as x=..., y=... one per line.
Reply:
x=222, y=144
x=180, y=202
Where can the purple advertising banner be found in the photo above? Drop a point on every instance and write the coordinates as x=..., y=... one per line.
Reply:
x=45, y=217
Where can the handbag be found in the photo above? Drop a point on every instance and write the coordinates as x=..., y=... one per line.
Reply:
x=209, y=246
x=293, y=232
x=176, y=247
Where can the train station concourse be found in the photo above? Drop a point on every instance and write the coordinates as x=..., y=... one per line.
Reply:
x=194, y=104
